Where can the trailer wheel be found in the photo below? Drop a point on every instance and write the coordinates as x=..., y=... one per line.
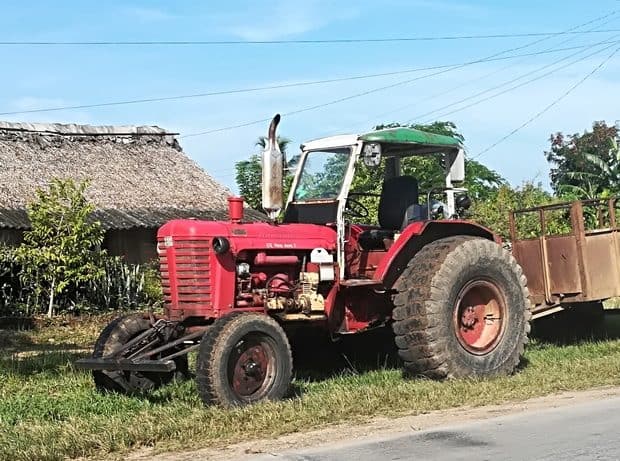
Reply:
x=461, y=309
x=117, y=333
x=243, y=358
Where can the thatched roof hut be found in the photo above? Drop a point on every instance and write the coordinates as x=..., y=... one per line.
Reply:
x=139, y=176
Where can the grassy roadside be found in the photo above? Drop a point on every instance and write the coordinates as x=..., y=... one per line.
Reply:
x=49, y=411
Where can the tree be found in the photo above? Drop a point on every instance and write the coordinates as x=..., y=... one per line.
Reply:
x=480, y=181
x=493, y=211
x=61, y=251
x=249, y=173
x=585, y=165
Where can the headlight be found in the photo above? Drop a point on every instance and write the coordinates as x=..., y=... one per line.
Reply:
x=243, y=270
x=220, y=245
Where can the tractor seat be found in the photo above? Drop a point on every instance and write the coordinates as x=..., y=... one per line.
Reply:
x=399, y=196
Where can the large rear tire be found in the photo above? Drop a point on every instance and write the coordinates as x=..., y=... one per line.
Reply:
x=243, y=358
x=461, y=309
x=118, y=333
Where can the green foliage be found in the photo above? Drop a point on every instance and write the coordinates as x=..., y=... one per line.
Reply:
x=493, y=212
x=12, y=295
x=249, y=174
x=482, y=183
x=122, y=286
x=248, y=178
x=62, y=251
x=585, y=165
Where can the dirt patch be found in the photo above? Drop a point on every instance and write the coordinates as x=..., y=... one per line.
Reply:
x=376, y=428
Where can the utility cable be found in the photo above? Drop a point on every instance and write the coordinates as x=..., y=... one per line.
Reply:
x=494, y=72
x=527, y=82
x=365, y=93
x=548, y=107
x=295, y=42
x=501, y=85
x=290, y=85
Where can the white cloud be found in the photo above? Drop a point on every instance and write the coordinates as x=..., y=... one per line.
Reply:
x=144, y=14
x=444, y=6
x=282, y=19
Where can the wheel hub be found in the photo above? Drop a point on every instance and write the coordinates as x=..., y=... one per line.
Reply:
x=479, y=316
x=251, y=363
x=469, y=319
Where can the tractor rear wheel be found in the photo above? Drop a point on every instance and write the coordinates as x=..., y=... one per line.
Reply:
x=118, y=333
x=243, y=358
x=461, y=309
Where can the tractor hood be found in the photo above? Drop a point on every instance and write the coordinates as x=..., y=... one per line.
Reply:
x=248, y=236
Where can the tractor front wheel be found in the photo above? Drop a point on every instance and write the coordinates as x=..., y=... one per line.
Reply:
x=243, y=358
x=461, y=309
x=113, y=337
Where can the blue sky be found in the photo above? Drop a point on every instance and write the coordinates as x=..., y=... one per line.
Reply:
x=37, y=77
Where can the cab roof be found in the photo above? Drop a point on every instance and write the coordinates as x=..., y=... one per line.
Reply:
x=395, y=141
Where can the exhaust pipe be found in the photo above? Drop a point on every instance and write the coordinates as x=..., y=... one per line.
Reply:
x=273, y=166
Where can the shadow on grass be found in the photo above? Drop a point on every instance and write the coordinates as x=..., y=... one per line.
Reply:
x=10, y=339
x=317, y=357
x=29, y=363
x=564, y=328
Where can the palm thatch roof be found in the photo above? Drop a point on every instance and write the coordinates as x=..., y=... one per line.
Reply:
x=139, y=176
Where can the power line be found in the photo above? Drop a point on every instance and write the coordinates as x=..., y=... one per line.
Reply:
x=376, y=90
x=297, y=42
x=527, y=82
x=527, y=45
x=548, y=107
x=290, y=85
x=501, y=85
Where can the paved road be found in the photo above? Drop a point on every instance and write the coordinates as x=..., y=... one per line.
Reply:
x=589, y=431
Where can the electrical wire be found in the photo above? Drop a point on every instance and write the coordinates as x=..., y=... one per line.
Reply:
x=548, y=107
x=527, y=82
x=501, y=85
x=293, y=84
x=372, y=91
x=494, y=72
x=296, y=42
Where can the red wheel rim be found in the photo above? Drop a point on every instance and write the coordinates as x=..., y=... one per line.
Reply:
x=251, y=367
x=479, y=316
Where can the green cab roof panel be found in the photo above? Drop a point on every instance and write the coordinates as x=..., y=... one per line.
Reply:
x=410, y=136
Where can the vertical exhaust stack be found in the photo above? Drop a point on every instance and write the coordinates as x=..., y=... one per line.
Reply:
x=273, y=166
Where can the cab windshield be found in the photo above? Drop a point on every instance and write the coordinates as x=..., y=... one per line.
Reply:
x=322, y=175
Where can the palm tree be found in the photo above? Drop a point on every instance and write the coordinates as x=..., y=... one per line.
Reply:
x=283, y=143
x=608, y=173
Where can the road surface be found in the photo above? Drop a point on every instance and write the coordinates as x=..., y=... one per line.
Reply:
x=584, y=431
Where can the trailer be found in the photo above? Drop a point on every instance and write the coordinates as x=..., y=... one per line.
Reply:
x=570, y=254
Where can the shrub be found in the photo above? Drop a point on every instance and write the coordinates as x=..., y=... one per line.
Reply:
x=122, y=286
x=61, y=252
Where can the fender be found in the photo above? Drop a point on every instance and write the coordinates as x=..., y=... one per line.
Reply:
x=418, y=234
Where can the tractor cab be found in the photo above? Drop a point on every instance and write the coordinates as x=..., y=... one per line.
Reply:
x=322, y=193
x=327, y=166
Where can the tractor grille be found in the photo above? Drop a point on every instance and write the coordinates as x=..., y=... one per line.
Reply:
x=185, y=272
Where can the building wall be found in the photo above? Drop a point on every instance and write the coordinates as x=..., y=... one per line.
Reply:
x=11, y=236
x=135, y=245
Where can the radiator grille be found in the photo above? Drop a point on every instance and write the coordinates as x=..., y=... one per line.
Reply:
x=185, y=272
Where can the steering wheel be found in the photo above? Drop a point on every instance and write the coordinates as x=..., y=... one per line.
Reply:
x=355, y=209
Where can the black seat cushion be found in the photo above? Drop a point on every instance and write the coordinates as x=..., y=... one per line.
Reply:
x=397, y=195
x=374, y=239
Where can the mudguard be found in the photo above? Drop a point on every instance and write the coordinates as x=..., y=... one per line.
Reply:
x=418, y=234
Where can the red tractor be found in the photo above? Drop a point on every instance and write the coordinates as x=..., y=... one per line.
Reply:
x=456, y=301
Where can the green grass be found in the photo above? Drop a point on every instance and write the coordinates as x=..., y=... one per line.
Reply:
x=49, y=411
